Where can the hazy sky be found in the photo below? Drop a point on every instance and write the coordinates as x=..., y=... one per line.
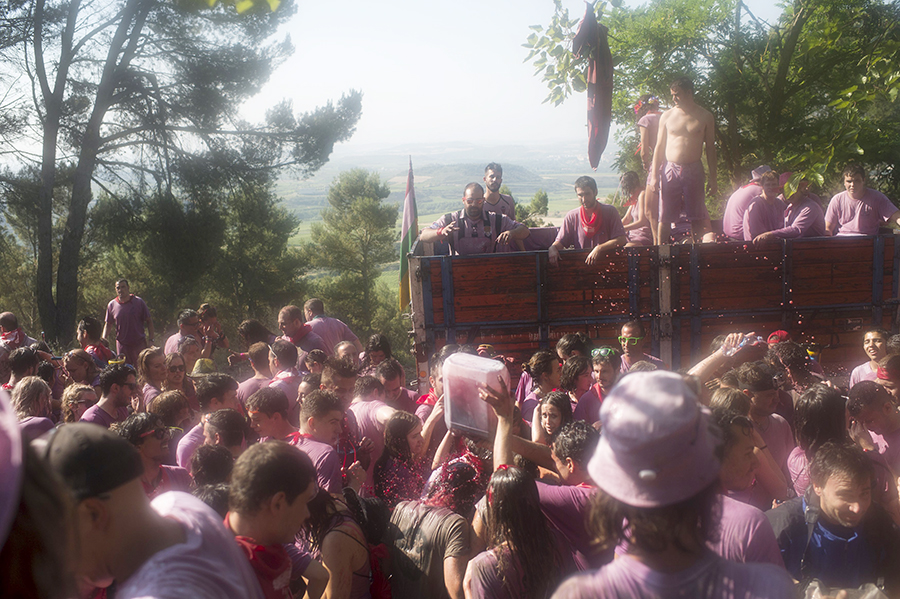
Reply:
x=430, y=72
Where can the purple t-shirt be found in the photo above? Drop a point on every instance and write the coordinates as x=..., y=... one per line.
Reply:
x=588, y=408
x=249, y=387
x=33, y=427
x=172, y=342
x=97, y=415
x=778, y=436
x=710, y=576
x=745, y=535
x=326, y=460
x=626, y=365
x=803, y=219
x=129, y=319
x=474, y=237
x=571, y=233
x=762, y=216
x=733, y=219
x=529, y=405
x=651, y=122
x=365, y=413
x=889, y=447
x=566, y=508
x=863, y=372
x=798, y=469
x=506, y=206
x=859, y=217
x=332, y=331
x=188, y=445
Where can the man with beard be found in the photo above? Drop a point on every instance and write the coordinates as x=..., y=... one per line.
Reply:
x=472, y=230
x=593, y=226
x=495, y=201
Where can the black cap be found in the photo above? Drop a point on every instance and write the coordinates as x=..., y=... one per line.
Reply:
x=90, y=459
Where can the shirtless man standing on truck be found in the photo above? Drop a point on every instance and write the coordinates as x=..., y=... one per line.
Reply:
x=682, y=132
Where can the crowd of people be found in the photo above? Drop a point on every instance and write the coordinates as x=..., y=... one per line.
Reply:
x=667, y=203
x=321, y=474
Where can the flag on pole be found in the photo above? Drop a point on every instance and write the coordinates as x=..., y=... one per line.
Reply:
x=408, y=232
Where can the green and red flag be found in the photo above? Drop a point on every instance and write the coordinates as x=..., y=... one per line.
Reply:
x=408, y=232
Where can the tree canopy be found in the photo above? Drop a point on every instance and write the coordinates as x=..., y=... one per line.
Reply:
x=140, y=98
x=807, y=93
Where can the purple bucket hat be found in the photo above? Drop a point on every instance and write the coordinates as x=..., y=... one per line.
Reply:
x=657, y=445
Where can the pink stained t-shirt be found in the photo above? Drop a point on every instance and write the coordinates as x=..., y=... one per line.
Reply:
x=863, y=372
x=710, y=576
x=172, y=342
x=588, y=408
x=332, y=331
x=859, y=217
x=187, y=446
x=798, y=470
x=97, y=415
x=745, y=535
x=650, y=121
x=804, y=219
x=529, y=405
x=762, y=217
x=626, y=365
x=572, y=234
x=367, y=421
x=506, y=206
x=733, y=218
x=641, y=235
x=129, y=319
x=249, y=387
x=566, y=509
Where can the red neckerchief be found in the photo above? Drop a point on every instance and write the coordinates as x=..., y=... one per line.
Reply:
x=294, y=438
x=13, y=339
x=591, y=227
x=285, y=375
x=7, y=386
x=130, y=297
x=100, y=351
x=271, y=564
x=633, y=200
x=750, y=184
x=429, y=399
x=302, y=332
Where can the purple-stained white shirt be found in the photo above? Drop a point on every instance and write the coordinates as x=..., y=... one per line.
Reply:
x=863, y=372
x=188, y=445
x=571, y=233
x=506, y=206
x=367, y=421
x=173, y=341
x=326, y=460
x=97, y=415
x=566, y=509
x=640, y=235
x=710, y=576
x=762, y=216
x=733, y=218
x=650, y=121
x=626, y=365
x=803, y=219
x=129, y=319
x=249, y=387
x=332, y=331
x=859, y=217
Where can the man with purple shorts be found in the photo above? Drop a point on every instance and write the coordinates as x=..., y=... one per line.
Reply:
x=657, y=468
x=474, y=230
x=676, y=163
x=860, y=210
x=592, y=226
x=127, y=313
x=733, y=218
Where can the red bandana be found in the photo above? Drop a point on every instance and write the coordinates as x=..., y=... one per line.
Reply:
x=271, y=564
x=591, y=227
x=13, y=339
x=883, y=375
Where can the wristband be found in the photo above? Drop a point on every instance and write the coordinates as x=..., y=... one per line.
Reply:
x=441, y=232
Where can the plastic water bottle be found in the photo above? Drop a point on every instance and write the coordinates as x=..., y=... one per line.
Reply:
x=746, y=340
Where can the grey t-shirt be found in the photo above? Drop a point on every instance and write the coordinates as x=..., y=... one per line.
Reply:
x=425, y=537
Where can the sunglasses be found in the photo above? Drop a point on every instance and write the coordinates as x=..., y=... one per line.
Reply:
x=176, y=368
x=630, y=340
x=604, y=351
x=159, y=433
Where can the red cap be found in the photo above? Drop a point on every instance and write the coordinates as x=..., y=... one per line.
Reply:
x=779, y=337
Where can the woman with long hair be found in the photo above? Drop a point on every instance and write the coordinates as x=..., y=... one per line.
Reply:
x=151, y=374
x=31, y=402
x=177, y=379
x=635, y=221
x=76, y=399
x=543, y=368
x=555, y=411
x=253, y=331
x=400, y=471
x=378, y=349
x=81, y=368
x=524, y=559
x=333, y=537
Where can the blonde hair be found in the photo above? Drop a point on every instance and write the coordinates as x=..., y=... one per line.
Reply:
x=31, y=397
x=70, y=396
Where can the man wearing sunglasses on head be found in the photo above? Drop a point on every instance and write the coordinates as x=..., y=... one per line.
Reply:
x=117, y=384
x=631, y=337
